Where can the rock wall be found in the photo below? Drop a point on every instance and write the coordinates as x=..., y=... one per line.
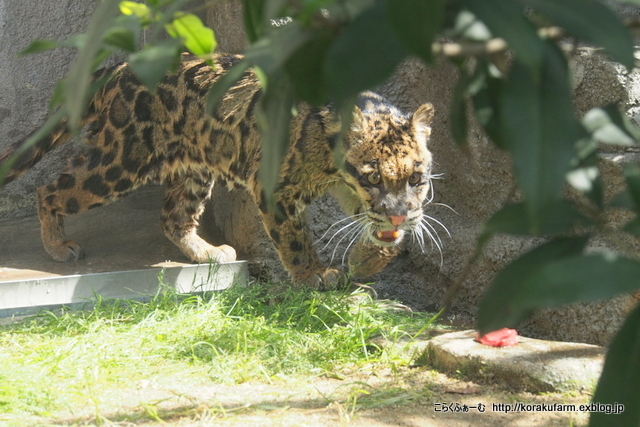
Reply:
x=473, y=185
x=27, y=82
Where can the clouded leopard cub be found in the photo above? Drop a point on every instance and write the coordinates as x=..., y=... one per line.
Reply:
x=135, y=136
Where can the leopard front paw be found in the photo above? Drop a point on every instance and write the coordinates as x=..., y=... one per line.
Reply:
x=203, y=252
x=225, y=253
x=327, y=280
x=219, y=254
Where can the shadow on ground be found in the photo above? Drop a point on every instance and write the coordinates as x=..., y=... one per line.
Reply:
x=124, y=235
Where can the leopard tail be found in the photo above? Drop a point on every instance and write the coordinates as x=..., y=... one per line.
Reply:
x=32, y=155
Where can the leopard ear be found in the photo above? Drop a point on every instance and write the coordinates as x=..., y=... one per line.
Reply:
x=357, y=121
x=421, y=121
x=354, y=135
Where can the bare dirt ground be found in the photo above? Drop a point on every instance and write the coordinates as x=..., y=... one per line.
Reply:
x=374, y=399
x=126, y=235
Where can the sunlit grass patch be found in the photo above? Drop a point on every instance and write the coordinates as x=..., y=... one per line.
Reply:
x=72, y=360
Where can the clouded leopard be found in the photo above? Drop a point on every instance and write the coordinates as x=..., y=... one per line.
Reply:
x=135, y=136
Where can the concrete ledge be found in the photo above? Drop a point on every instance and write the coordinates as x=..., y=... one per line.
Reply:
x=531, y=365
x=20, y=297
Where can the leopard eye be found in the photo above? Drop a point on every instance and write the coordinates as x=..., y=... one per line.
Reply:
x=374, y=178
x=415, y=178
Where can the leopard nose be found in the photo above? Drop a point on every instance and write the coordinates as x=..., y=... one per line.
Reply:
x=397, y=219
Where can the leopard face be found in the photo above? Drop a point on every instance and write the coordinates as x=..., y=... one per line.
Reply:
x=388, y=168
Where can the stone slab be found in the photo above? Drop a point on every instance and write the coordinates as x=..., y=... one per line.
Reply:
x=532, y=365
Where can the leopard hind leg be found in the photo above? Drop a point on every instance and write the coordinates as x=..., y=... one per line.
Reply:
x=82, y=186
x=184, y=203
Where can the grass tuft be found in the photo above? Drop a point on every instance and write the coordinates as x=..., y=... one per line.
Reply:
x=71, y=361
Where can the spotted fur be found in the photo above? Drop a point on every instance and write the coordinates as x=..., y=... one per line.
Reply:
x=135, y=136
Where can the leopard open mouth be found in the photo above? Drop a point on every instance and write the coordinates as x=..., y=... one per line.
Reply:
x=389, y=236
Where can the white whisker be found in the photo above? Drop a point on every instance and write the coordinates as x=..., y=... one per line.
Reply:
x=444, y=206
x=356, y=231
x=428, y=217
x=435, y=240
x=356, y=218
x=430, y=193
x=354, y=223
x=416, y=235
x=431, y=231
x=330, y=181
x=356, y=237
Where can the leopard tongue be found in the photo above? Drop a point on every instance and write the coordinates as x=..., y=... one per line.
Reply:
x=388, y=236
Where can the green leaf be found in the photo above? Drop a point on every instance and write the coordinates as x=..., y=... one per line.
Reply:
x=458, y=116
x=619, y=384
x=305, y=68
x=585, y=174
x=197, y=38
x=596, y=194
x=363, y=55
x=309, y=10
x=224, y=83
x=253, y=19
x=77, y=41
x=608, y=125
x=591, y=21
x=272, y=52
x=58, y=97
x=153, y=62
x=123, y=34
x=487, y=105
x=77, y=92
x=586, y=151
x=468, y=85
x=623, y=200
x=417, y=23
x=506, y=19
x=120, y=38
x=509, y=298
x=587, y=180
x=274, y=117
x=269, y=54
x=551, y=275
x=469, y=27
x=140, y=10
x=540, y=129
x=633, y=227
x=582, y=179
x=39, y=45
x=512, y=219
x=274, y=9
x=632, y=178
x=49, y=125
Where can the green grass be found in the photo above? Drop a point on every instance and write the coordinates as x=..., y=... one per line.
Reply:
x=71, y=361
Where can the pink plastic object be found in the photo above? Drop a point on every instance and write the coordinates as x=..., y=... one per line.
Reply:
x=501, y=338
